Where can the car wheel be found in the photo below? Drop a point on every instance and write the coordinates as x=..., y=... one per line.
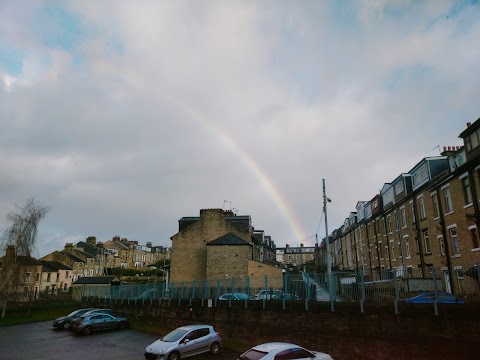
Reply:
x=215, y=348
x=121, y=325
x=87, y=330
x=174, y=355
x=66, y=325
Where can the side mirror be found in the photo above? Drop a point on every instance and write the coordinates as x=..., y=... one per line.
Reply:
x=186, y=341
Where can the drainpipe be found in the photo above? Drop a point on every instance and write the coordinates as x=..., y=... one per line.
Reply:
x=400, y=240
x=474, y=197
x=368, y=245
x=417, y=236
x=376, y=244
x=356, y=250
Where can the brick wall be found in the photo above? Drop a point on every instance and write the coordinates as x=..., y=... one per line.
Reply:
x=346, y=334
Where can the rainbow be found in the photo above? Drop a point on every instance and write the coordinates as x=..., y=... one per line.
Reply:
x=296, y=230
x=267, y=183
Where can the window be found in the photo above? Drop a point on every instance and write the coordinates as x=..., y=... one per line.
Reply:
x=48, y=277
x=404, y=217
x=467, y=190
x=436, y=209
x=426, y=241
x=26, y=290
x=448, y=200
x=454, y=239
x=473, y=235
x=66, y=274
x=398, y=187
x=418, y=244
x=295, y=353
x=442, y=245
x=380, y=254
x=407, y=246
x=389, y=220
x=384, y=227
x=386, y=253
x=37, y=277
x=27, y=277
x=58, y=277
x=392, y=250
x=474, y=140
x=421, y=206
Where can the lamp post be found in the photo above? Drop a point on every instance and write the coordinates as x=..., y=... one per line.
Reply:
x=327, y=243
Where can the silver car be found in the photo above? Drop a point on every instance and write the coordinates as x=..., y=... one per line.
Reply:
x=280, y=350
x=184, y=342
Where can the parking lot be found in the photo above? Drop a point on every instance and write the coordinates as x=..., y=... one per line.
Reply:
x=41, y=341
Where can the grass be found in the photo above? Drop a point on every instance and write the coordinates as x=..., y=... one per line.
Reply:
x=17, y=316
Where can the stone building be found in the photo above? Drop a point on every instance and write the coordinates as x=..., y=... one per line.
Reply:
x=220, y=245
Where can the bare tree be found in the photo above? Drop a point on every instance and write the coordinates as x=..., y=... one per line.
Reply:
x=18, y=242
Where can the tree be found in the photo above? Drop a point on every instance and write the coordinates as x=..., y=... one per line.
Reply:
x=18, y=241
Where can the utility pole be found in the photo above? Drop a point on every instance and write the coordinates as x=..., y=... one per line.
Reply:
x=331, y=289
x=327, y=242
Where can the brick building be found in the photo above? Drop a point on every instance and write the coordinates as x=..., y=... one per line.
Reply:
x=423, y=220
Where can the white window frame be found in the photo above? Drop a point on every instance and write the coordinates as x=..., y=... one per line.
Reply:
x=403, y=216
x=421, y=207
x=392, y=250
x=436, y=208
x=426, y=242
x=447, y=199
x=449, y=229
x=406, y=240
x=462, y=178
x=441, y=243
x=389, y=227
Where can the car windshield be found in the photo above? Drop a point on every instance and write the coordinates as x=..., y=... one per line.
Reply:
x=175, y=335
x=241, y=296
x=253, y=355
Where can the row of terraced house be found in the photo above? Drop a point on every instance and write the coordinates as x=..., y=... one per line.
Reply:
x=425, y=220
x=59, y=270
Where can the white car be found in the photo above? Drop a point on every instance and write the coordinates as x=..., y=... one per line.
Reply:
x=184, y=342
x=280, y=350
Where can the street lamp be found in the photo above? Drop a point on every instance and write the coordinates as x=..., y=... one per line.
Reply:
x=327, y=242
x=329, y=260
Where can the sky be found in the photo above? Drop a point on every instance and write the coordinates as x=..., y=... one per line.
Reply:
x=125, y=116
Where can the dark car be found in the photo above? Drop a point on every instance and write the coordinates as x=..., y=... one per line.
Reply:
x=64, y=322
x=91, y=312
x=429, y=297
x=285, y=296
x=96, y=321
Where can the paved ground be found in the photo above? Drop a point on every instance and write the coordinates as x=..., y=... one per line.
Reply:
x=41, y=341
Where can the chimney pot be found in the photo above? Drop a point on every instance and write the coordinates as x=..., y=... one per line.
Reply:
x=444, y=148
x=469, y=124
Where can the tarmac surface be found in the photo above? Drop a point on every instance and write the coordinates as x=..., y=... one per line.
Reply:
x=41, y=341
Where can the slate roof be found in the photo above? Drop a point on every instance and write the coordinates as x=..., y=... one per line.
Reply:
x=89, y=249
x=97, y=280
x=73, y=257
x=228, y=239
x=55, y=265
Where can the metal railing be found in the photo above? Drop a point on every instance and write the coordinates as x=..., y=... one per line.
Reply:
x=384, y=286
